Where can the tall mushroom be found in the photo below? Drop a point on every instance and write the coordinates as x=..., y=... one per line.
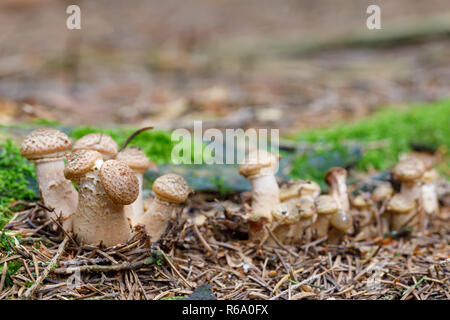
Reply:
x=99, y=142
x=336, y=179
x=47, y=148
x=259, y=168
x=170, y=191
x=326, y=207
x=104, y=188
x=139, y=163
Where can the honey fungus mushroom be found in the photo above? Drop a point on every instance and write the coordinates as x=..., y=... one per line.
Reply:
x=301, y=194
x=170, y=191
x=403, y=211
x=104, y=188
x=47, y=148
x=286, y=217
x=341, y=223
x=363, y=211
x=381, y=196
x=336, y=178
x=429, y=196
x=137, y=160
x=409, y=172
x=99, y=142
x=259, y=168
x=326, y=207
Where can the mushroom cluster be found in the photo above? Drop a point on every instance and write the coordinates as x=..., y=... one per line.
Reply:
x=297, y=212
x=109, y=200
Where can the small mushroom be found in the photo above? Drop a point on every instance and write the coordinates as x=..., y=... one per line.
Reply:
x=99, y=142
x=336, y=179
x=170, y=191
x=363, y=208
x=326, y=207
x=341, y=223
x=104, y=188
x=308, y=216
x=409, y=172
x=286, y=217
x=403, y=210
x=429, y=196
x=47, y=148
x=139, y=163
x=381, y=196
x=259, y=168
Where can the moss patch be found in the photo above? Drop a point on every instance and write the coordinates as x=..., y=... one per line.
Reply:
x=16, y=178
x=398, y=129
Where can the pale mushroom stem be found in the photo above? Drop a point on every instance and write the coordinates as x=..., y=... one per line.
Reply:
x=56, y=191
x=134, y=210
x=322, y=225
x=98, y=218
x=156, y=218
x=265, y=196
x=339, y=192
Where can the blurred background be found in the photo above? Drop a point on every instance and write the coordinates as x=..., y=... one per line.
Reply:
x=288, y=64
x=339, y=93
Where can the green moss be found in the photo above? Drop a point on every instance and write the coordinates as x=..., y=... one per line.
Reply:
x=16, y=178
x=426, y=124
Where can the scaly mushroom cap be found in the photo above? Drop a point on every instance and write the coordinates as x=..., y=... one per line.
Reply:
x=382, y=192
x=286, y=212
x=41, y=143
x=341, y=220
x=326, y=204
x=360, y=202
x=430, y=176
x=99, y=142
x=332, y=173
x=400, y=204
x=119, y=182
x=80, y=162
x=135, y=158
x=172, y=188
x=306, y=208
x=409, y=169
x=297, y=189
x=258, y=163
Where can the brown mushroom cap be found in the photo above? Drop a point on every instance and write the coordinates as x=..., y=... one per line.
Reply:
x=334, y=172
x=297, y=189
x=306, y=208
x=382, y=192
x=80, y=162
x=99, y=142
x=172, y=188
x=409, y=169
x=258, y=162
x=400, y=204
x=341, y=220
x=119, y=182
x=286, y=212
x=43, y=142
x=430, y=176
x=326, y=204
x=135, y=158
x=361, y=202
